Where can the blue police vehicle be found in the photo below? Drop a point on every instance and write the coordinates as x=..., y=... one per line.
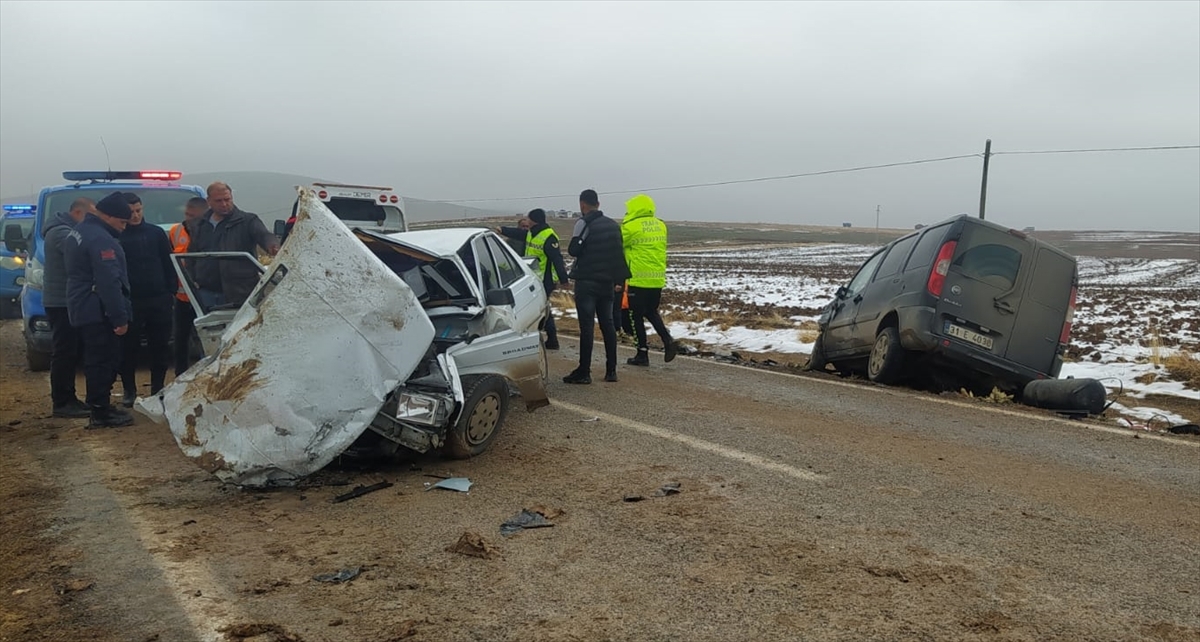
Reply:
x=18, y=220
x=164, y=199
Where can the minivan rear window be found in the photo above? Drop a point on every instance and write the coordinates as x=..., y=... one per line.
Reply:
x=927, y=248
x=996, y=265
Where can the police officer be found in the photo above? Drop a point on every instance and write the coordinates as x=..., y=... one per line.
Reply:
x=541, y=243
x=152, y=285
x=98, y=302
x=644, y=236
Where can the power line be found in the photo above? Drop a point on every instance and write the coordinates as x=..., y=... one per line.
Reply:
x=1106, y=149
x=741, y=181
x=763, y=179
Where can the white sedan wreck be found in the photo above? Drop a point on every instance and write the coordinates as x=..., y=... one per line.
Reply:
x=419, y=337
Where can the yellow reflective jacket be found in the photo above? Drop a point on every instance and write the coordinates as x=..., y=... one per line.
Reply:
x=645, y=240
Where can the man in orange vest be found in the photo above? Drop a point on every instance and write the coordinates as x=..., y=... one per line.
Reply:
x=185, y=316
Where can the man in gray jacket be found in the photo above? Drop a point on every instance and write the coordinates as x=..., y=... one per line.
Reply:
x=65, y=351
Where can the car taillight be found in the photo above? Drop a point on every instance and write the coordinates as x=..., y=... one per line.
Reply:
x=1066, y=330
x=383, y=198
x=394, y=199
x=937, y=277
x=322, y=195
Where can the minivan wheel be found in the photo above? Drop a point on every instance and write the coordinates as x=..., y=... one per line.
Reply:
x=816, y=360
x=484, y=408
x=887, y=357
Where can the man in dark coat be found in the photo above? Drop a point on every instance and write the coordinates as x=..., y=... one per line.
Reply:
x=599, y=273
x=225, y=228
x=98, y=302
x=152, y=284
x=66, y=347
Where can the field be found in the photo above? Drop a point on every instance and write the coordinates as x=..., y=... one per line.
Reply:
x=757, y=292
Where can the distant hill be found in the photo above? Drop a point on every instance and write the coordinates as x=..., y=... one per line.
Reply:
x=270, y=195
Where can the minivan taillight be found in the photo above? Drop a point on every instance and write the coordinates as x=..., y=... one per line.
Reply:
x=937, y=277
x=1066, y=330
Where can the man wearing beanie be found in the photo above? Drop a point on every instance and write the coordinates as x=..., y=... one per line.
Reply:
x=541, y=243
x=98, y=302
x=152, y=284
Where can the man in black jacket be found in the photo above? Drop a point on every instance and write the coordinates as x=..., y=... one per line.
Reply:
x=225, y=228
x=98, y=302
x=599, y=273
x=66, y=345
x=152, y=284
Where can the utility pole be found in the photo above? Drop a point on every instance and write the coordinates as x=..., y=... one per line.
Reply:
x=876, y=225
x=987, y=156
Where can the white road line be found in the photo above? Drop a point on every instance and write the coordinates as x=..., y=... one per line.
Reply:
x=895, y=392
x=695, y=442
x=215, y=608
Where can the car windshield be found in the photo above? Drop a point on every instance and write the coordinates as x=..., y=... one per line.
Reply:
x=161, y=206
x=25, y=222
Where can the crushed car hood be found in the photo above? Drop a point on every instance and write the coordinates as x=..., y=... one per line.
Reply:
x=305, y=365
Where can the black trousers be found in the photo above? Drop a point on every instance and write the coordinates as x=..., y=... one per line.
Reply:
x=151, y=319
x=66, y=348
x=184, y=318
x=101, y=361
x=643, y=304
x=593, y=300
x=622, y=319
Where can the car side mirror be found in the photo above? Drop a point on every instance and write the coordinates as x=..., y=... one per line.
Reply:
x=499, y=297
x=14, y=239
x=280, y=227
x=841, y=292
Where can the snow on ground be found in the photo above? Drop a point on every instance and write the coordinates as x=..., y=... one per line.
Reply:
x=1128, y=310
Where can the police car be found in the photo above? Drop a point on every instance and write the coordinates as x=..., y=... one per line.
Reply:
x=376, y=209
x=17, y=224
x=164, y=199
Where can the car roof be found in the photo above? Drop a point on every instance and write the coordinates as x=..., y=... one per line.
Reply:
x=443, y=242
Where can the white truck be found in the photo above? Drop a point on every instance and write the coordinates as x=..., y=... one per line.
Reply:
x=365, y=207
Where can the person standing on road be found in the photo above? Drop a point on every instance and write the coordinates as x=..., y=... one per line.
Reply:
x=184, y=315
x=98, y=302
x=645, y=239
x=225, y=228
x=541, y=242
x=599, y=272
x=66, y=346
x=152, y=282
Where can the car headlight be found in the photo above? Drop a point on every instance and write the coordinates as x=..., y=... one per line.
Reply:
x=35, y=274
x=12, y=263
x=421, y=409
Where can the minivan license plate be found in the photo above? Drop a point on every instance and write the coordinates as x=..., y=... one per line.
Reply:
x=959, y=332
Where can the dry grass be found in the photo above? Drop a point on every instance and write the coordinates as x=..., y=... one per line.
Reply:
x=1183, y=366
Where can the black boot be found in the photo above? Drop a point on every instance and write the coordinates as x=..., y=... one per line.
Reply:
x=671, y=349
x=642, y=358
x=109, y=417
x=578, y=375
x=73, y=409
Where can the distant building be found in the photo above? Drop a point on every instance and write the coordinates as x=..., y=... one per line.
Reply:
x=1028, y=229
x=846, y=225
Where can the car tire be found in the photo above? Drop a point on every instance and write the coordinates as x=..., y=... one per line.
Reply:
x=484, y=407
x=816, y=360
x=38, y=361
x=887, y=357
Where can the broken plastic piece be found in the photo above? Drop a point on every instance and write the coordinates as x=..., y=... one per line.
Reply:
x=359, y=491
x=522, y=520
x=670, y=488
x=344, y=575
x=461, y=484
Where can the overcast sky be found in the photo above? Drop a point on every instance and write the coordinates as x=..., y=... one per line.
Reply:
x=469, y=101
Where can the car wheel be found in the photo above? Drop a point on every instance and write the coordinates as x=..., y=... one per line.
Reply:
x=484, y=408
x=887, y=357
x=816, y=360
x=38, y=361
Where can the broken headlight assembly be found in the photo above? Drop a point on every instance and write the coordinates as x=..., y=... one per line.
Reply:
x=425, y=410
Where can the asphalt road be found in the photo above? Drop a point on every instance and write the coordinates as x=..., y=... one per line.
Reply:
x=809, y=508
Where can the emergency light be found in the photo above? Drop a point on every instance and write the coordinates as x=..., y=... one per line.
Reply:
x=144, y=175
x=20, y=208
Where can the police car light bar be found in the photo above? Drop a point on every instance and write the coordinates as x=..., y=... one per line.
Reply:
x=150, y=175
x=20, y=208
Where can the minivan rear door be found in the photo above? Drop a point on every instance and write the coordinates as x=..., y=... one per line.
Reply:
x=1043, y=312
x=981, y=297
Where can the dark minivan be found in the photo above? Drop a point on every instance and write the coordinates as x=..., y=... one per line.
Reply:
x=989, y=303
